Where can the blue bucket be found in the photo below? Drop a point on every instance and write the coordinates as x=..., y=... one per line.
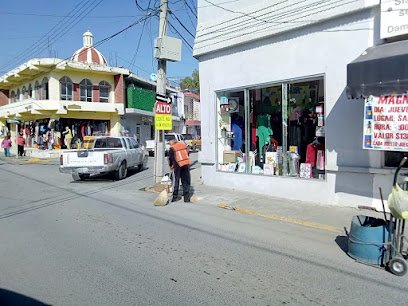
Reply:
x=367, y=238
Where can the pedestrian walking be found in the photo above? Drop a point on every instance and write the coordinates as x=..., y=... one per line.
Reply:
x=179, y=162
x=68, y=137
x=6, y=145
x=20, y=145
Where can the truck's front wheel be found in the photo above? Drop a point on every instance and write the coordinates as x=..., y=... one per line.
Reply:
x=121, y=173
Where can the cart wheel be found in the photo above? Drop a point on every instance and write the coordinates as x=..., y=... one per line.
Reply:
x=398, y=266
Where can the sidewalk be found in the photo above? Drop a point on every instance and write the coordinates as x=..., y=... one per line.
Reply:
x=24, y=160
x=328, y=218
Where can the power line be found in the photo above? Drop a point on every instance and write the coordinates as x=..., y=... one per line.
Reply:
x=56, y=32
x=252, y=32
x=64, y=16
x=181, y=36
x=248, y=24
x=191, y=10
x=102, y=41
x=140, y=38
x=179, y=21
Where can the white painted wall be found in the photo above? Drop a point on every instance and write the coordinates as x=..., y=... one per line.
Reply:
x=325, y=49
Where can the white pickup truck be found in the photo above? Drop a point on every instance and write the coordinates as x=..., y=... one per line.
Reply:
x=108, y=155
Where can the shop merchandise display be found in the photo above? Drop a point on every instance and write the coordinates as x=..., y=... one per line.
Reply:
x=285, y=138
x=47, y=134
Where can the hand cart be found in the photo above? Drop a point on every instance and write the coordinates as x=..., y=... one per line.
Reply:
x=381, y=242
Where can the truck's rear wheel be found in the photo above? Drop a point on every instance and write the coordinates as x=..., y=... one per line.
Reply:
x=121, y=173
x=79, y=177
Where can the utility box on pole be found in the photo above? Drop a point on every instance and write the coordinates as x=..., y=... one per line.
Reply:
x=167, y=48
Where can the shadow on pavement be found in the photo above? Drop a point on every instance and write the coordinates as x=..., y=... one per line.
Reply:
x=342, y=242
x=108, y=177
x=11, y=298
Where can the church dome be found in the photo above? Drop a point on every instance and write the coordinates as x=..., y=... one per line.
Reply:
x=88, y=54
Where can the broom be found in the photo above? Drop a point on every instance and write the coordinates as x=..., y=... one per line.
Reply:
x=163, y=198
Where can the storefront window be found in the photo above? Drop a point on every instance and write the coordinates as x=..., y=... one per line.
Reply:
x=282, y=124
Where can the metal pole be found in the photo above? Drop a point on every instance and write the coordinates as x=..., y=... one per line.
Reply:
x=160, y=89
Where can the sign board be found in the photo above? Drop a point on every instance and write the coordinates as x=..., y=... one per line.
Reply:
x=394, y=18
x=386, y=123
x=162, y=116
x=162, y=98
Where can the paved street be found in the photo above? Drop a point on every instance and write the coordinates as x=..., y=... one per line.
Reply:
x=102, y=242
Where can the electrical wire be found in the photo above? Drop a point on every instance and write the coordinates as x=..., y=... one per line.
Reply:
x=64, y=16
x=252, y=32
x=188, y=15
x=249, y=24
x=140, y=38
x=180, y=35
x=102, y=41
x=56, y=32
x=191, y=10
x=183, y=26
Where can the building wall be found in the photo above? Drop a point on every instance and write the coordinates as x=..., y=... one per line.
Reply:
x=4, y=97
x=325, y=49
x=220, y=28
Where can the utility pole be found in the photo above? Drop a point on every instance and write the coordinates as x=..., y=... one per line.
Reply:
x=161, y=90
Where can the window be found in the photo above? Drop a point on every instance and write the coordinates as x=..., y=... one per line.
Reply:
x=273, y=130
x=169, y=137
x=25, y=93
x=133, y=144
x=12, y=96
x=30, y=91
x=104, y=90
x=44, y=89
x=66, y=88
x=37, y=90
x=18, y=98
x=85, y=88
x=108, y=143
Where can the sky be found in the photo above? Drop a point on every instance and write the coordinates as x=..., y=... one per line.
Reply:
x=50, y=28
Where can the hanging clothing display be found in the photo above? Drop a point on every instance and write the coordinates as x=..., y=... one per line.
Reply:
x=264, y=130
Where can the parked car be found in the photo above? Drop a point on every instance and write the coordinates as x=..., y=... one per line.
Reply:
x=193, y=143
x=108, y=155
x=150, y=145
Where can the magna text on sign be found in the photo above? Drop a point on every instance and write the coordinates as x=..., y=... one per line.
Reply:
x=386, y=123
x=162, y=117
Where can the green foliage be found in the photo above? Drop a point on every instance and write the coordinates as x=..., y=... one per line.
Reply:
x=191, y=83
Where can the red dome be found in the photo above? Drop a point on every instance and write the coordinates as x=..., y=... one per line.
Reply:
x=88, y=54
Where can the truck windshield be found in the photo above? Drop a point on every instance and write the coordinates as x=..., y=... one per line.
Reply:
x=169, y=137
x=108, y=143
x=188, y=136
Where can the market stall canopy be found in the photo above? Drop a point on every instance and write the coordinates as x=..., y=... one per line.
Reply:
x=380, y=70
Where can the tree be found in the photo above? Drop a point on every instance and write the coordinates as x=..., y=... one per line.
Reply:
x=191, y=83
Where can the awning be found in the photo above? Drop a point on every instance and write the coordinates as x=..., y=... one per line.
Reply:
x=380, y=70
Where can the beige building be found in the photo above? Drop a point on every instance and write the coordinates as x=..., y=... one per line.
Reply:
x=48, y=94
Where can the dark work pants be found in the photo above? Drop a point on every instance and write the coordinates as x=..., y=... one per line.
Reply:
x=182, y=173
x=20, y=150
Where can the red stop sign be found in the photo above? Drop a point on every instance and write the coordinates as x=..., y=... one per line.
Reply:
x=162, y=108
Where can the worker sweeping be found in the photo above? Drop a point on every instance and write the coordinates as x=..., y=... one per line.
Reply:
x=179, y=163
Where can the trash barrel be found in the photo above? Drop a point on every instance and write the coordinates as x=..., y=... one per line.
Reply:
x=367, y=238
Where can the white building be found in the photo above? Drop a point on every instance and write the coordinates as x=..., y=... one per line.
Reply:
x=279, y=68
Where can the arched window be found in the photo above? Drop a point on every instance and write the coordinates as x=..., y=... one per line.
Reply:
x=25, y=93
x=13, y=96
x=44, y=89
x=85, y=88
x=30, y=91
x=66, y=88
x=18, y=98
x=104, y=90
x=37, y=90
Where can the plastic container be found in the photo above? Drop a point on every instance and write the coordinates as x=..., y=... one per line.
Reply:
x=367, y=239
